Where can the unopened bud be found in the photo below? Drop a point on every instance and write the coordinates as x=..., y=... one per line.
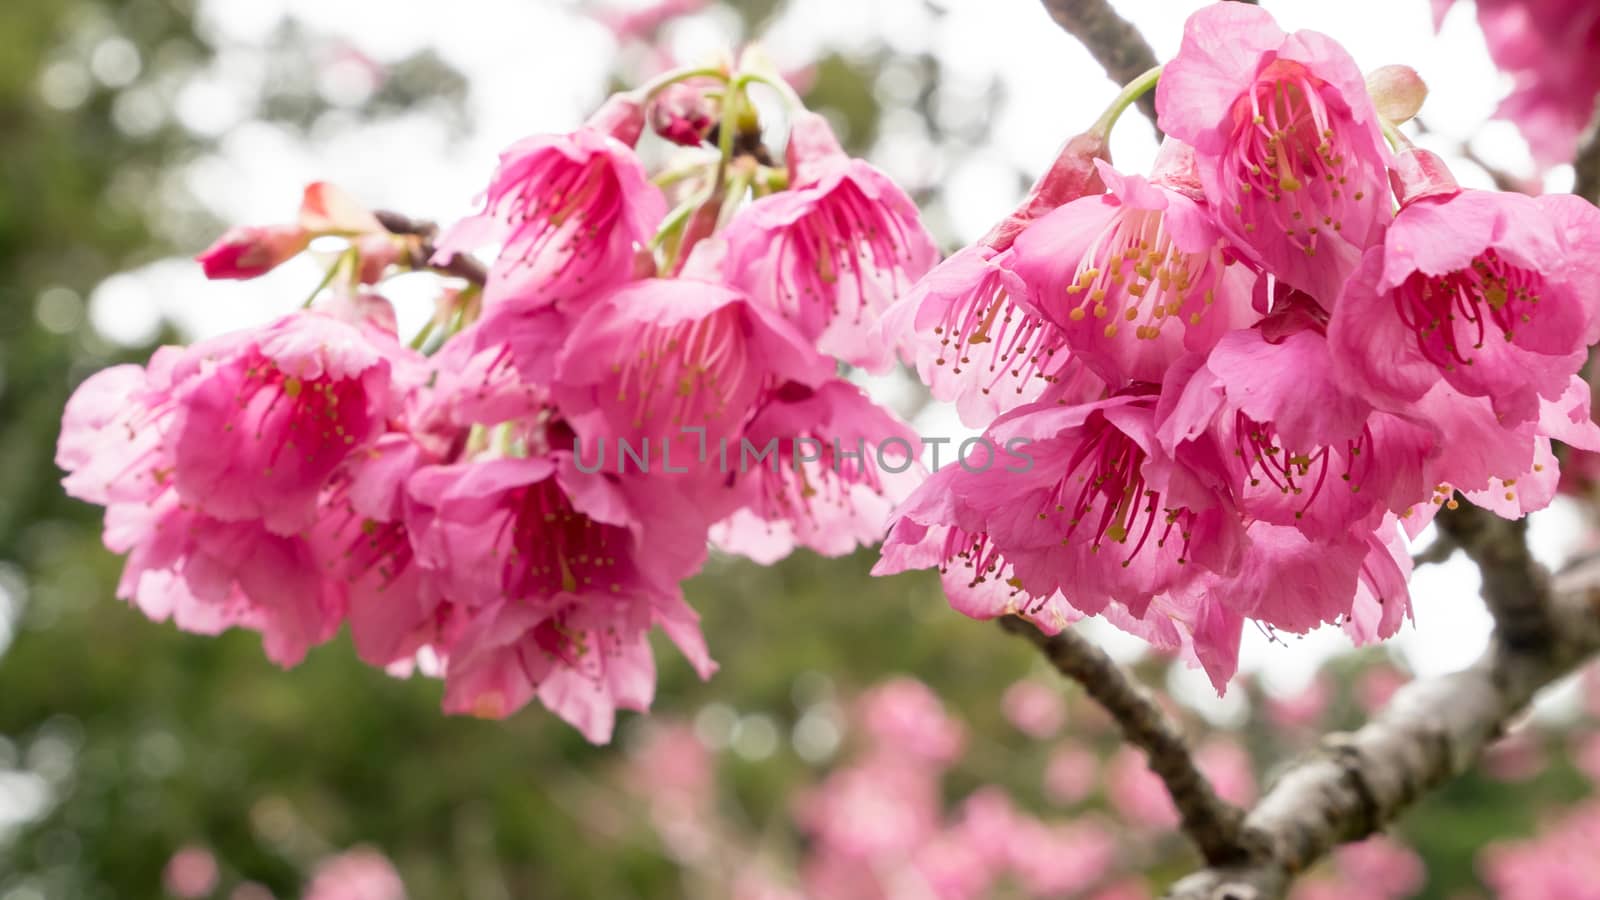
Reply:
x=329, y=209
x=249, y=251
x=1397, y=92
x=683, y=114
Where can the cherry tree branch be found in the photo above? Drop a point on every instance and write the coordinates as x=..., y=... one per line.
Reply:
x=1113, y=41
x=1210, y=823
x=460, y=264
x=1515, y=587
x=1433, y=730
x=1586, y=167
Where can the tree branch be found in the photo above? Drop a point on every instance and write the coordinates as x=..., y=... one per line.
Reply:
x=460, y=264
x=1586, y=167
x=1433, y=730
x=1515, y=587
x=1113, y=41
x=1210, y=823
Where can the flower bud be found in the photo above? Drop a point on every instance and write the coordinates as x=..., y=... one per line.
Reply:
x=683, y=114
x=1397, y=92
x=249, y=251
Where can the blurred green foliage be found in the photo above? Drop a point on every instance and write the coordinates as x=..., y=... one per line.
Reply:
x=149, y=739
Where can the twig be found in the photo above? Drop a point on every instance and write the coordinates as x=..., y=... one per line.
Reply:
x=1515, y=587
x=460, y=264
x=1586, y=167
x=1433, y=730
x=1113, y=41
x=1208, y=821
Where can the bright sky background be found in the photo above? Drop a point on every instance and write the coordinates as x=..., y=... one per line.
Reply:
x=537, y=66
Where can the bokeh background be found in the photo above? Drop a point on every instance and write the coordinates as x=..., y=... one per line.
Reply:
x=132, y=131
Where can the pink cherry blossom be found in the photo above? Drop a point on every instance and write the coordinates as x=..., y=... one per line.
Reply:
x=1072, y=774
x=1137, y=794
x=838, y=467
x=568, y=209
x=1050, y=860
x=262, y=418
x=207, y=576
x=191, y=873
x=832, y=252
x=1034, y=709
x=1560, y=862
x=877, y=807
x=903, y=716
x=1134, y=277
x=1287, y=141
x=1492, y=292
x=969, y=326
x=1586, y=756
x=1383, y=865
x=1304, y=708
x=662, y=355
x=113, y=433
x=559, y=584
x=359, y=874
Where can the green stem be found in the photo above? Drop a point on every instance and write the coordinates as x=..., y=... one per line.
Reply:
x=345, y=257
x=784, y=89
x=655, y=86
x=738, y=183
x=1392, y=133
x=1133, y=91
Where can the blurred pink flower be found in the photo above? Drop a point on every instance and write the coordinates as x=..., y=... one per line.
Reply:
x=1560, y=863
x=1228, y=766
x=1136, y=793
x=1377, y=685
x=879, y=807
x=1033, y=708
x=1302, y=710
x=190, y=873
x=1054, y=859
x=904, y=717
x=642, y=22
x=359, y=874
x=1072, y=774
x=1382, y=865
x=1586, y=756
x=1516, y=757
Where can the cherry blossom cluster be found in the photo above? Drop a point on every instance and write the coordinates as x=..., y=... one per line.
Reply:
x=513, y=498
x=1244, y=375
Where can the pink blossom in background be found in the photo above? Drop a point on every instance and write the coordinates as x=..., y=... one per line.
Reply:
x=1377, y=685
x=1052, y=859
x=1586, y=756
x=640, y=24
x=834, y=251
x=1516, y=757
x=1380, y=864
x=1136, y=793
x=1304, y=709
x=1228, y=766
x=1035, y=709
x=1286, y=140
x=191, y=873
x=904, y=716
x=1559, y=863
x=876, y=807
x=1591, y=691
x=1072, y=774
x=672, y=768
x=1127, y=889
x=359, y=874
x=1548, y=47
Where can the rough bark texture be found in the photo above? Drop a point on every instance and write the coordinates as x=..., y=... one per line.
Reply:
x=1210, y=823
x=1433, y=730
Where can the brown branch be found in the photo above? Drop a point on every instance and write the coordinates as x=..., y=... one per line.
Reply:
x=1586, y=167
x=1113, y=41
x=460, y=265
x=1433, y=730
x=1515, y=587
x=1442, y=548
x=1210, y=823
